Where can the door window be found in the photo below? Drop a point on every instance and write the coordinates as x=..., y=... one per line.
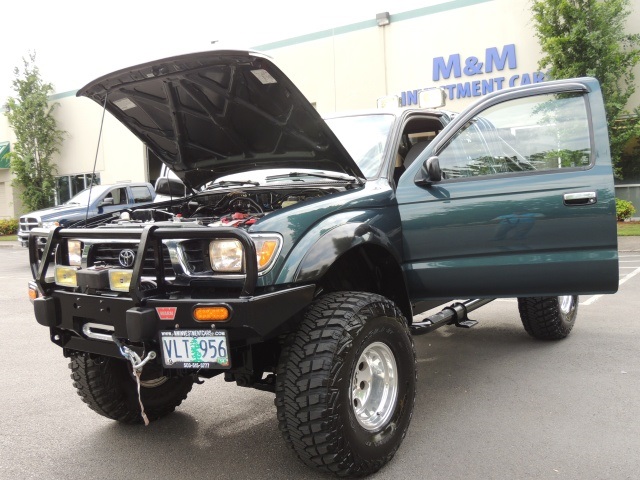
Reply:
x=543, y=132
x=119, y=196
x=141, y=194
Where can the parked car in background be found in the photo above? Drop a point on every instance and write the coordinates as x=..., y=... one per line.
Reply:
x=169, y=186
x=100, y=199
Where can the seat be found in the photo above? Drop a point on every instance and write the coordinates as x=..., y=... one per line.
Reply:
x=414, y=152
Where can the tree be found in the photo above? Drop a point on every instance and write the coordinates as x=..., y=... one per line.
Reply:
x=37, y=137
x=587, y=38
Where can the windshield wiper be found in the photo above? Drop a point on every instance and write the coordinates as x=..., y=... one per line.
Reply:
x=331, y=176
x=229, y=183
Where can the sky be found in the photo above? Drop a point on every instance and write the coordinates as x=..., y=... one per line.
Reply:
x=78, y=41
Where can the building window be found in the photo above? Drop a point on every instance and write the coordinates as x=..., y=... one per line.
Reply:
x=69, y=185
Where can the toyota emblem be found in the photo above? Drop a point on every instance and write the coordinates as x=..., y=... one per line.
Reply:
x=127, y=257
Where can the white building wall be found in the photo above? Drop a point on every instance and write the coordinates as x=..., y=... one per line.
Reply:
x=633, y=26
x=468, y=32
x=324, y=69
x=10, y=204
x=345, y=69
x=120, y=155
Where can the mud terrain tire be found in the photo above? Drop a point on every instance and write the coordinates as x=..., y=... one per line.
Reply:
x=345, y=385
x=548, y=318
x=105, y=384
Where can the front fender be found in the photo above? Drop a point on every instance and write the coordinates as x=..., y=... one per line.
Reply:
x=327, y=241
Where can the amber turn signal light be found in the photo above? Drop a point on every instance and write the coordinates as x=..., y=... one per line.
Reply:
x=33, y=291
x=211, y=314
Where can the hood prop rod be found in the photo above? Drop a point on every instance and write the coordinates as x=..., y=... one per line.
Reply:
x=456, y=313
x=95, y=160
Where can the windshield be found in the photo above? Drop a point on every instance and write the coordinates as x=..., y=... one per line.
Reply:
x=82, y=198
x=365, y=138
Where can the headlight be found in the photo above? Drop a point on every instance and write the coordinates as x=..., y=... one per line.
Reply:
x=226, y=256
x=50, y=224
x=74, y=249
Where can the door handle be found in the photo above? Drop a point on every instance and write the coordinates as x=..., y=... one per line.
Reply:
x=580, y=198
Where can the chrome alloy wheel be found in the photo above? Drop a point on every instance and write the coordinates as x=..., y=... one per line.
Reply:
x=566, y=304
x=153, y=383
x=374, y=386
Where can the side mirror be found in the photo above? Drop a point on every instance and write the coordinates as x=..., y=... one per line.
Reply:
x=105, y=202
x=430, y=172
x=170, y=186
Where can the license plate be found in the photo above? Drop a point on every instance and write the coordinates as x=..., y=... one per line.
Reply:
x=194, y=349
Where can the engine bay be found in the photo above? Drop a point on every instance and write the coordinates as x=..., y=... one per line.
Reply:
x=229, y=208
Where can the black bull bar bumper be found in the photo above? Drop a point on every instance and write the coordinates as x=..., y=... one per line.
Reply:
x=139, y=316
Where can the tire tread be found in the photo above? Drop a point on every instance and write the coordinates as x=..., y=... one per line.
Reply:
x=542, y=318
x=104, y=385
x=306, y=398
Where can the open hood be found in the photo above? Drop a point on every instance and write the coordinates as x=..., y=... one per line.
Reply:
x=215, y=113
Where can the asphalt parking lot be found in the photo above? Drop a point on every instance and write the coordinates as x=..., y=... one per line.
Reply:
x=492, y=404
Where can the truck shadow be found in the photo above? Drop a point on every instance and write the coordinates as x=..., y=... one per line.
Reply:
x=199, y=440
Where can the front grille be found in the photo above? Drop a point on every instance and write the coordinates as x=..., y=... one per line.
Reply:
x=196, y=254
x=28, y=223
x=109, y=254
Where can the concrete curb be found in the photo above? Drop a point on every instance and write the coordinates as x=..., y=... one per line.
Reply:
x=629, y=244
x=13, y=244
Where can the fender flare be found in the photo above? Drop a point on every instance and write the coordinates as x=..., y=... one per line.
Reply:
x=335, y=243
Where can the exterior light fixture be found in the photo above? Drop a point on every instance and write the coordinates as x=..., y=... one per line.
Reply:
x=383, y=19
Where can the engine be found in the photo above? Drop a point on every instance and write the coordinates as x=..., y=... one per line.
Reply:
x=231, y=208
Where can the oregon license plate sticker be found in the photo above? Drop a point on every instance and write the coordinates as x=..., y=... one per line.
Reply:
x=194, y=349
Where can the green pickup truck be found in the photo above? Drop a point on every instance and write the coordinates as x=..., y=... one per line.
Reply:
x=308, y=249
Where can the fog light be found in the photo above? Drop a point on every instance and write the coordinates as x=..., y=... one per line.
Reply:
x=120, y=280
x=211, y=314
x=432, y=98
x=390, y=101
x=66, y=276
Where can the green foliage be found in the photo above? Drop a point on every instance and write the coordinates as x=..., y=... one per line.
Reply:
x=9, y=227
x=629, y=162
x=629, y=229
x=624, y=209
x=587, y=38
x=38, y=138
